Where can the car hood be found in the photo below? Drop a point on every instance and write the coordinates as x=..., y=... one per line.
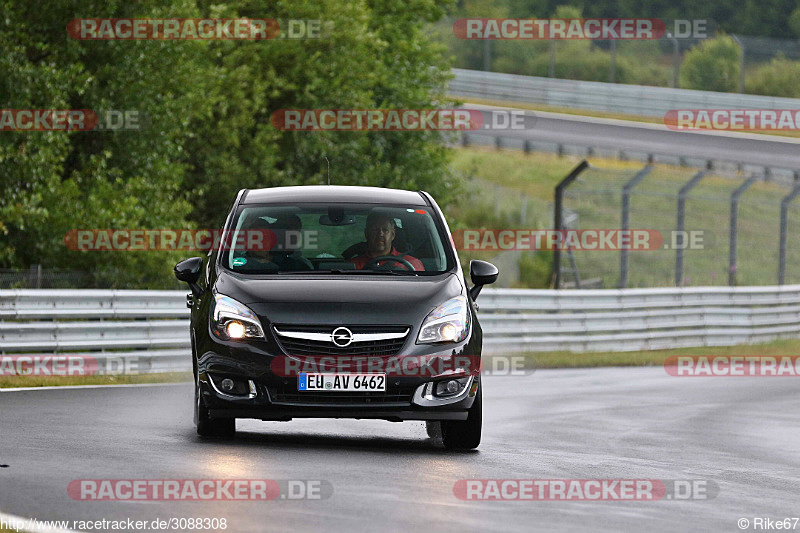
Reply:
x=341, y=299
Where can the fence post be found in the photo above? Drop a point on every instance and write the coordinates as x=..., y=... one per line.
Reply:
x=523, y=210
x=734, y=228
x=613, y=61
x=676, y=62
x=682, y=194
x=35, y=277
x=741, y=63
x=626, y=203
x=784, y=232
x=558, y=215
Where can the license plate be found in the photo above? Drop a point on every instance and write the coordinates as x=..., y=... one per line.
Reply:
x=341, y=382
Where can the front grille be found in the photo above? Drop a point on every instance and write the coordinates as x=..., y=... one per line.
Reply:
x=288, y=394
x=382, y=347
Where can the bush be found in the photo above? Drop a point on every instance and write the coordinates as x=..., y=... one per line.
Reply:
x=536, y=270
x=779, y=77
x=712, y=66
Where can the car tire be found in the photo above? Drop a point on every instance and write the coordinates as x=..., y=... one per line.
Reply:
x=207, y=426
x=465, y=434
x=434, y=429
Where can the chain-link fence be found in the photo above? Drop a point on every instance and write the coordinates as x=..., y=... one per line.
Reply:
x=704, y=229
x=37, y=277
x=490, y=205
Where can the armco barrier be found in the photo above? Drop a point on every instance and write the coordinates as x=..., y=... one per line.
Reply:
x=598, y=96
x=637, y=319
x=152, y=326
x=109, y=325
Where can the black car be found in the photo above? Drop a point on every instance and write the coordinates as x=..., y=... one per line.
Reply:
x=336, y=302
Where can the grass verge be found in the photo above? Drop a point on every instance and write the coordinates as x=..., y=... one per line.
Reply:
x=53, y=381
x=498, y=181
x=606, y=114
x=653, y=357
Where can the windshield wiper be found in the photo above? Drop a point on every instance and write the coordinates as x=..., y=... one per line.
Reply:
x=390, y=272
x=347, y=271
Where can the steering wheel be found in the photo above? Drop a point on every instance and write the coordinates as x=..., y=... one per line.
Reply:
x=397, y=259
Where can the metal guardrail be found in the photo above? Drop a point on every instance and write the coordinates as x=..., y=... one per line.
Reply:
x=111, y=326
x=152, y=326
x=627, y=99
x=637, y=319
x=598, y=96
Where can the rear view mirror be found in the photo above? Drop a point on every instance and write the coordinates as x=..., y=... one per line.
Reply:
x=481, y=273
x=336, y=217
x=188, y=270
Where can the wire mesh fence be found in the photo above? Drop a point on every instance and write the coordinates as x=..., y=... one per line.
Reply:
x=709, y=230
x=37, y=277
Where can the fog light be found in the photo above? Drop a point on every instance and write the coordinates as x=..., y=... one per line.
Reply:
x=452, y=387
x=235, y=330
x=227, y=384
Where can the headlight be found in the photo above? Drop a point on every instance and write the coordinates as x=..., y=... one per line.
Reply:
x=232, y=320
x=447, y=323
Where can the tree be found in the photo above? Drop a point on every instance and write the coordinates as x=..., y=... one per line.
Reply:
x=208, y=131
x=375, y=55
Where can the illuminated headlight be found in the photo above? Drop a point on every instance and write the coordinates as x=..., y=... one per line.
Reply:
x=447, y=323
x=232, y=320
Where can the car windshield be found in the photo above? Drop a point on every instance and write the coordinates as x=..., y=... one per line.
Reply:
x=335, y=238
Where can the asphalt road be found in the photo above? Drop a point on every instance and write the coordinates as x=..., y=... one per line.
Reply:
x=749, y=149
x=635, y=423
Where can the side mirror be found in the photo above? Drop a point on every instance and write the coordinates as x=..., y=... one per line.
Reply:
x=188, y=270
x=481, y=273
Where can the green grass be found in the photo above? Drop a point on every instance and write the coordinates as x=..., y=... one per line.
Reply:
x=653, y=358
x=605, y=114
x=498, y=180
x=52, y=381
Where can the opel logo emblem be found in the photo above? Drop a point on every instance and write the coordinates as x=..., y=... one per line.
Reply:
x=342, y=337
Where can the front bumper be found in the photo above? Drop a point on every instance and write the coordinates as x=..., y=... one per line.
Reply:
x=267, y=396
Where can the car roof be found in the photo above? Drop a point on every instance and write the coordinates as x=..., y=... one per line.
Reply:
x=333, y=193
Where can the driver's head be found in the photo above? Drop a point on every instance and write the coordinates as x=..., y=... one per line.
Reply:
x=259, y=241
x=379, y=232
x=287, y=231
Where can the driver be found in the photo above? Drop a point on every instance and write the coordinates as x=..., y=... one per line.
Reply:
x=380, y=233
